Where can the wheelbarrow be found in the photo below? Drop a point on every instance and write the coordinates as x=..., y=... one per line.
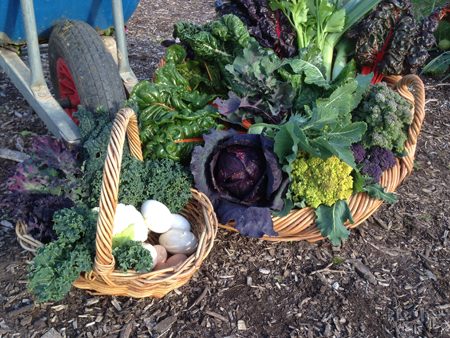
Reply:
x=82, y=67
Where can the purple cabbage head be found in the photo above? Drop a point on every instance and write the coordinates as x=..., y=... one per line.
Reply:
x=243, y=179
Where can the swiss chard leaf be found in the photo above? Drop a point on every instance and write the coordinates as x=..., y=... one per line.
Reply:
x=331, y=220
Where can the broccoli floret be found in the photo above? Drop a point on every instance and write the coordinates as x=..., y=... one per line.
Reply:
x=318, y=181
x=387, y=115
x=377, y=161
x=358, y=152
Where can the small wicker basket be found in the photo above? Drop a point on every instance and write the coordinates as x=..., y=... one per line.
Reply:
x=300, y=225
x=104, y=279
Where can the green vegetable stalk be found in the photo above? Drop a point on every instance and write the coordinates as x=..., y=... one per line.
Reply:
x=323, y=22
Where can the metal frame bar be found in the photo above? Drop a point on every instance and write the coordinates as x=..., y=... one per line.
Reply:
x=31, y=82
x=38, y=84
x=125, y=71
x=48, y=109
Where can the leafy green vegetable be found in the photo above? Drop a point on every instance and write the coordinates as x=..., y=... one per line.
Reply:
x=132, y=255
x=330, y=221
x=95, y=130
x=220, y=41
x=377, y=191
x=173, y=117
x=125, y=236
x=173, y=135
x=258, y=93
x=323, y=22
x=51, y=169
x=140, y=181
x=58, y=264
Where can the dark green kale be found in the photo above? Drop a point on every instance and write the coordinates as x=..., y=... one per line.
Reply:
x=59, y=263
x=95, y=129
x=169, y=183
x=388, y=116
x=132, y=183
x=140, y=181
x=132, y=255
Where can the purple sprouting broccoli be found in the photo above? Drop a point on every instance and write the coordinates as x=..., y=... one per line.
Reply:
x=384, y=157
x=359, y=152
x=377, y=160
x=372, y=169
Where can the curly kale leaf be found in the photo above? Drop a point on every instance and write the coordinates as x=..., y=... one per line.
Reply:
x=140, y=181
x=58, y=264
x=95, y=129
x=132, y=255
x=132, y=183
x=176, y=180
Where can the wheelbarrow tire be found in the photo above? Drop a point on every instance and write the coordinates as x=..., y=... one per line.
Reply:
x=91, y=66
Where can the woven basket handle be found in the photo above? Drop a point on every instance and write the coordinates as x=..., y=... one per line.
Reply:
x=124, y=123
x=418, y=100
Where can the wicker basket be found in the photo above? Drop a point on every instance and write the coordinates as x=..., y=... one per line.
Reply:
x=104, y=279
x=300, y=225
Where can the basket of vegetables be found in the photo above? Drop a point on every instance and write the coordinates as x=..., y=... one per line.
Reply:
x=109, y=249
x=304, y=146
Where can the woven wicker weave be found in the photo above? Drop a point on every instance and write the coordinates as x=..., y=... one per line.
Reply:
x=104, y=279
x=299, y=224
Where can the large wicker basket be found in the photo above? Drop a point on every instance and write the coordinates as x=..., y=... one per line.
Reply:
x=300, y=225
x=104, y=279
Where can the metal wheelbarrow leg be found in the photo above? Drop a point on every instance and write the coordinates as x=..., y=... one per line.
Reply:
x=31, y=82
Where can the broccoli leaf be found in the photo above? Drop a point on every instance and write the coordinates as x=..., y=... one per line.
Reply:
x=377, y=191
x=330, y=221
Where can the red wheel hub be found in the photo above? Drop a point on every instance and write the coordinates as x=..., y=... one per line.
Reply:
x=67, y=87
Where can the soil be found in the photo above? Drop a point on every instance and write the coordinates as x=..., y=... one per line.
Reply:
x=390, y=278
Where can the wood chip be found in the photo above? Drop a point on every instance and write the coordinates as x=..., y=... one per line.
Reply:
x=443, y=307
x=126, y=331
x=165, y=324
x=21, y=310
x=116, y=304
x=364, y=271
x=60, y=307
x=200, y=298
x=92, y=301
x=216, y=315
x=7, y=224
x=12, y=155
x=241, y=325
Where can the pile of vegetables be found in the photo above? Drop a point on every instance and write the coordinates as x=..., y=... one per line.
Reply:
x=263, y=116
x=291, y=128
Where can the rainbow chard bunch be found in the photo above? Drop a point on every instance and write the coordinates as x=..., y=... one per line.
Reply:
x=390, y=42
x=270, y=28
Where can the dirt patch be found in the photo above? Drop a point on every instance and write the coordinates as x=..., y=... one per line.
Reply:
x=248, y=287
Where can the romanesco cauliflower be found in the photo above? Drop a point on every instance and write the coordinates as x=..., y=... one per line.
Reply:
x=318, y=181
x=387, y=115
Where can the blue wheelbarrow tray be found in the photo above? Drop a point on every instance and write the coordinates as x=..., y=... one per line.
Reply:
x=97, y=13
